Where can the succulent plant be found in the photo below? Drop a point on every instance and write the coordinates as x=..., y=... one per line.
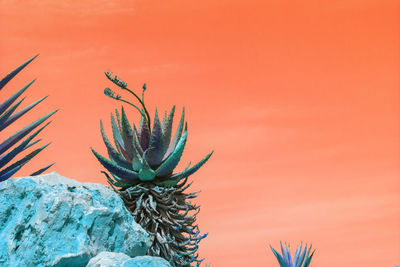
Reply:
x=141, y=165
x=300, y=259
x=7, y=117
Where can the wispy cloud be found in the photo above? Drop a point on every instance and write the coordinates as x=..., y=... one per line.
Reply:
x=160, y=68
x=80, y=8
x=283, y=220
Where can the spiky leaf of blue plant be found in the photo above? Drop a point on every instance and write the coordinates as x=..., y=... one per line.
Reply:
x=302, y=258
x=7, y=117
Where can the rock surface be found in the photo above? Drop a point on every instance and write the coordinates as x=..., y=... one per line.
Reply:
x=50, y=220
x=111, y=259
x=105, y=259
x=146, y=261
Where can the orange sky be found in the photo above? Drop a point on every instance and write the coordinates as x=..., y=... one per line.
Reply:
x=299, y=100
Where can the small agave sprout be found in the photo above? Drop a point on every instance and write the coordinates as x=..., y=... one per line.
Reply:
x=141, y=164
x=300, y=259
x=7, y=117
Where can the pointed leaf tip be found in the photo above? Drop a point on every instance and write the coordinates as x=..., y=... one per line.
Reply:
x=192, y=170
x=12, y=74
x=124, y=173
x=40, y=171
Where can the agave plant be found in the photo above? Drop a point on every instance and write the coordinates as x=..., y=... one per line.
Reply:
x=7, y=117
x=141, y=165
x=300, y=259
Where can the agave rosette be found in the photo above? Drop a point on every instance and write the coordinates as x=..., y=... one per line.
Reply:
x=7, y=117
x=144, y=155
x=302, y=258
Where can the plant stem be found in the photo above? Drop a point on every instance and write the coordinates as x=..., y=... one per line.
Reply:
x=141, y=102
x=141, y=112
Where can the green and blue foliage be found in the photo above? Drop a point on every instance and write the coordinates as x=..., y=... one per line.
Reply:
x=143, y=154
x=7, y=117
x=302, y=258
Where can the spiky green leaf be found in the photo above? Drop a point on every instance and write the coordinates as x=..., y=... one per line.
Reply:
x=23, y=132
x=123, y=151
x=6, y=158
x=112, y=153
x=127, y=134
x=288, y=257
x=144, y=131
x=126, y=174
x=177, y=136
x=7, y=114
x=20, y=113
x=307, y=263
x=164, y=118
x=23, y=161
x=167, y=128
x=40, y=171
x=118, y=120
x=279, y=257
x=168, y=183
x=11, y=75
x=308, y=258
x=10, y=173
x=172, y=161
x=192, y=170
x=116, y=134
x=155, y=155
x=137, y=157
x=136, y=141
x=146, y=173
x=296, y=255
x=32, y=143
x=284, y=252
x=11, y=99
x=117, y=181
x=301, y=257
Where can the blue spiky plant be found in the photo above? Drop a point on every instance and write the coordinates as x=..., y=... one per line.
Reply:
x=141, y=169
x=8, y=167
x=302, y=258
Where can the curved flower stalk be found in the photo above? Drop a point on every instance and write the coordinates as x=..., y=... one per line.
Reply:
x=300, y=259
x=7, y=117
x=141, y=163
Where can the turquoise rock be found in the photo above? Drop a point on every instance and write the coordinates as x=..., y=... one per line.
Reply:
x=50, y=220
x=108, y=259
x=146, y=261
x=111, y=259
